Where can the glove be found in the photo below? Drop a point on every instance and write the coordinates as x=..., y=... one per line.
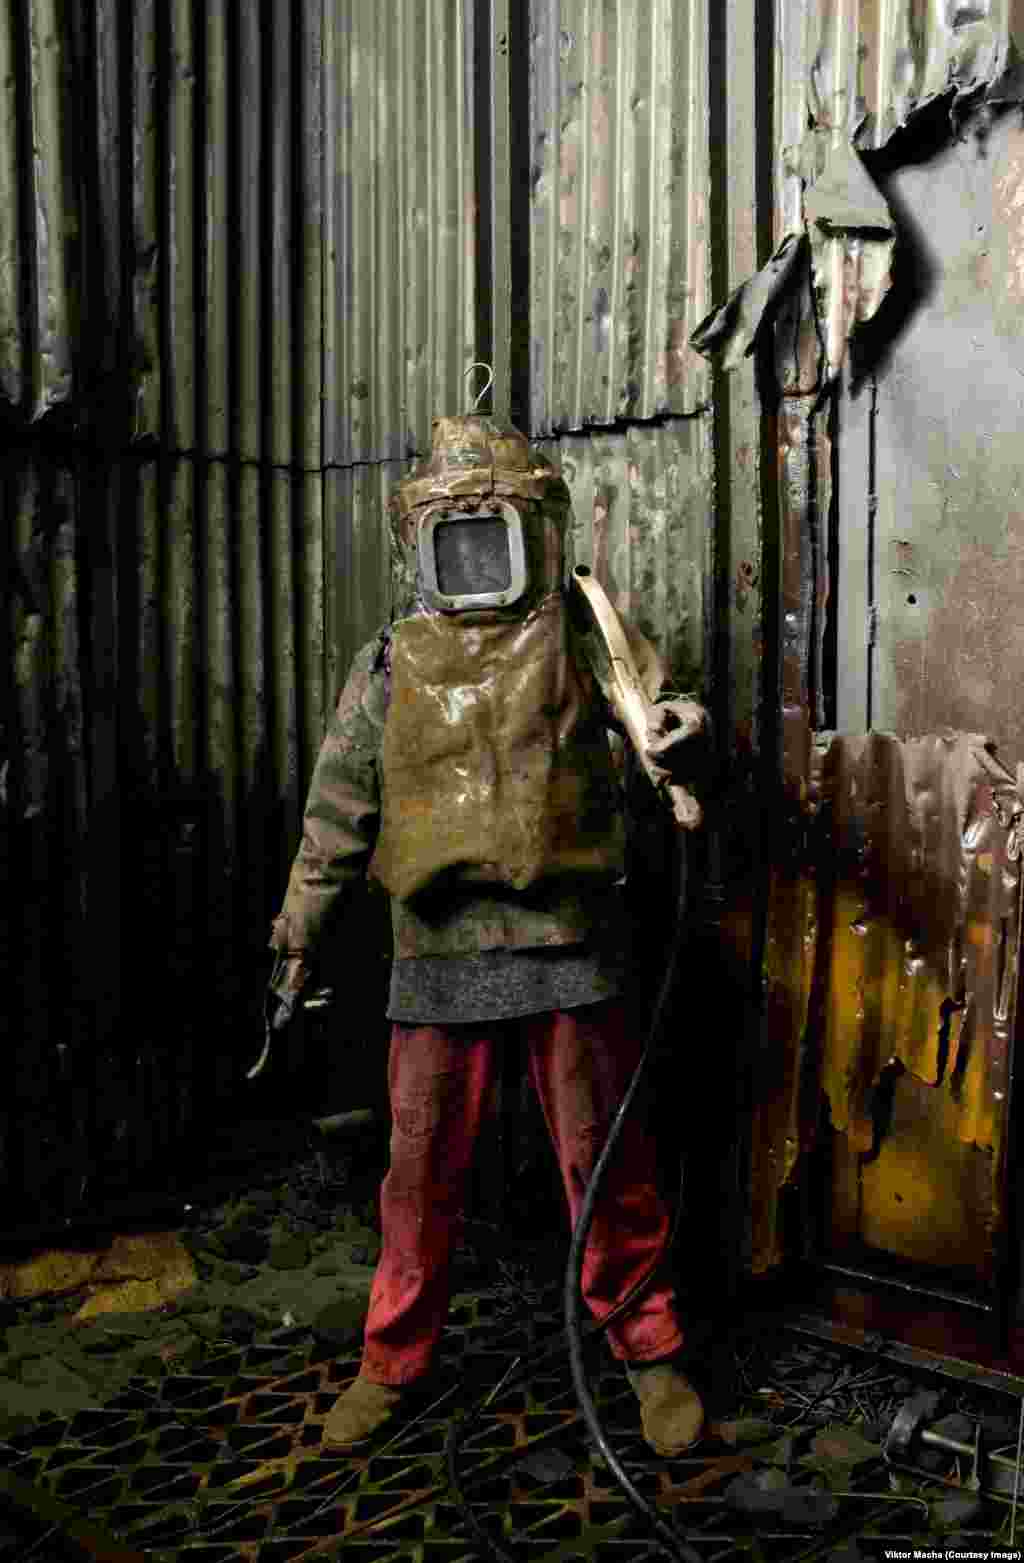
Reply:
x=672, y=722
x=287, y=981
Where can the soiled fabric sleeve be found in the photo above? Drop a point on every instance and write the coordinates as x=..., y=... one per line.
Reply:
x=342, y=814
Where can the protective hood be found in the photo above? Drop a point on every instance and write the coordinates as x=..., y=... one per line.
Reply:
x=482, y=521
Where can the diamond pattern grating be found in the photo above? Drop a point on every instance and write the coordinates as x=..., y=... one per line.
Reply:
x=226, y=1463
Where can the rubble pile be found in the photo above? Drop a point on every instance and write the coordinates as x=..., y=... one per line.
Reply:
x=810, y=1449
x=298, y=1248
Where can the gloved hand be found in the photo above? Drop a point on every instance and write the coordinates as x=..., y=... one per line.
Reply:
x=290, y=976
x=672, y=722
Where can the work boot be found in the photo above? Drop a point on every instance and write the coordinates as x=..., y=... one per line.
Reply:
x=671, y=1412
x=363, y=1409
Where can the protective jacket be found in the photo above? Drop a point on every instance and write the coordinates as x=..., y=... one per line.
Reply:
x=467, y=769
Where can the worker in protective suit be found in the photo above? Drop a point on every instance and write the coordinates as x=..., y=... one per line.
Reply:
x=467, y=769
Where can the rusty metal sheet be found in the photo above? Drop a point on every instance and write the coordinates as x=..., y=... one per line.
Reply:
x=805, y=499
x=168, y=701
x=848, y=75
x=870, y=66
x=225, y=124
x=399, y=224
x=850, y=238
x=948, y=494
x=104, y=324
x=366, y=563
x=38, y=231
x=145, y=283
x=619, y=258
x=218, y=295
x=642, y=520
x=892, y=970
x=46, y=807
x=13, y=254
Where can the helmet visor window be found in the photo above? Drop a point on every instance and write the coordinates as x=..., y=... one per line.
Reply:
x=472, y=556
x=472, y=560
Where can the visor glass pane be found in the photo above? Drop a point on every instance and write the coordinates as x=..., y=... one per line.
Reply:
x=472, y=556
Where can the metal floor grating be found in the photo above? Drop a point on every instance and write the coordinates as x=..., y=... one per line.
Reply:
x=225, y=1463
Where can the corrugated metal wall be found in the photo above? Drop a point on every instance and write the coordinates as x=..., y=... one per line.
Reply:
x=891, y=619
x=246, y=253
x=241, y=261
x=619, y=211
x=237, y=276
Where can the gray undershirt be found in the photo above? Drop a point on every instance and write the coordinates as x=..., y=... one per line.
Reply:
x=502, y=984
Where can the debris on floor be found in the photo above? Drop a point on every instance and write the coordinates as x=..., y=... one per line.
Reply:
x=193, y=1430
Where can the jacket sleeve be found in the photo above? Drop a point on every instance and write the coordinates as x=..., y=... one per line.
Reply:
x=341, y=819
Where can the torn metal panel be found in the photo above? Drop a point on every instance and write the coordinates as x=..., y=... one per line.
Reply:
x=730, y=331
x=851, y=237
x=870, y=66
x=848, y=76
x=892, y=967
x=619, y=257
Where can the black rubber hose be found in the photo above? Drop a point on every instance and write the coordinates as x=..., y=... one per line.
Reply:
x=672, y=1543
x=457, y=1427
x=575, y=1329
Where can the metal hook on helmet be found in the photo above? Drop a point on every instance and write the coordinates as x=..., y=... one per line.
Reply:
x=487, y=387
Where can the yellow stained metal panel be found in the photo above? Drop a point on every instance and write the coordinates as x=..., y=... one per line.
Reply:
x=891, y=979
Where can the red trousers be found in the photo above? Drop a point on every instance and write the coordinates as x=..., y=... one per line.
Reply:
x=580, y=1062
